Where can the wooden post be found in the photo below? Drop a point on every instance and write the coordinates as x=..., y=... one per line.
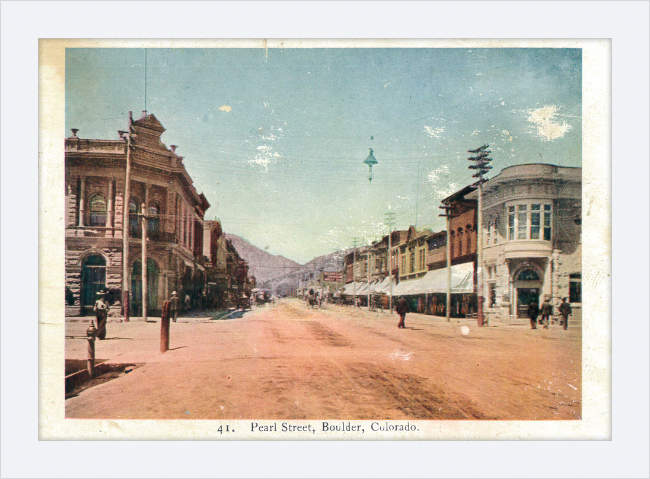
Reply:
x=126, y=202
x=164, y=326
x=91, y=332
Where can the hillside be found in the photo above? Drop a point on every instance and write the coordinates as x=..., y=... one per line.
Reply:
x=264, y=266
x=332, y=262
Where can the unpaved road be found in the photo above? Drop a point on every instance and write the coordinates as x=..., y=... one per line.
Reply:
x=291, y=362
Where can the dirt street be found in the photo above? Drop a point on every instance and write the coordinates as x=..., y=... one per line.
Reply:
x=291, y=362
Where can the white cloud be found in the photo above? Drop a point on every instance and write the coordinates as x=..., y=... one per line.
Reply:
x=265, y=157
x=549, y=127
x=225, y=108
x=435, y=175
x=434, y=132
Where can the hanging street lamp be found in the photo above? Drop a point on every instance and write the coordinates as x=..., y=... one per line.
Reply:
x=371, y=160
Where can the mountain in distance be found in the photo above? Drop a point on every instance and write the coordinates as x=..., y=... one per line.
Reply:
x=264, y=266
x=307, y=273
x=281, y=274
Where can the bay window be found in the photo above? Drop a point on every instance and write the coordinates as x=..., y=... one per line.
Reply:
x=529, y=221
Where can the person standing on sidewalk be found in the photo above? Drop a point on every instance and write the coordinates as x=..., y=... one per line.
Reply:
x=402, y=308
x=174, y=306
x=565, y=311
x=101, y=314
x=533, y=312
x=547, y=312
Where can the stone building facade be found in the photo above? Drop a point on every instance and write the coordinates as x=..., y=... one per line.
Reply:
x=532, y=246
x=95, y=179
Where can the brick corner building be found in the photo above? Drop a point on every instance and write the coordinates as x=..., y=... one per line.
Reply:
x=95, y=212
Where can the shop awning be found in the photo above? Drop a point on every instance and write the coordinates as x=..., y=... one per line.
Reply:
x=408, y=287
x=349, y=288
x=383, y=287
x=462, y=279
x=436, y=282
x=362, y=289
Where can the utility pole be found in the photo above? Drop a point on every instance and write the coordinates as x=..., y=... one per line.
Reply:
x=144, y=260
x=126, y=220
x=369, y=259
x=417, y=197
x=390, y=221
x=354, y=269
x=482, y=166
x=449, y=216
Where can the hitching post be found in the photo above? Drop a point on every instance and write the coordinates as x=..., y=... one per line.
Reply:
x=164, y=327
x=90, y=333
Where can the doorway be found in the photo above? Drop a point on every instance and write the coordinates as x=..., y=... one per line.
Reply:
x=93, y=280
x=136, y=287
x=525, y=296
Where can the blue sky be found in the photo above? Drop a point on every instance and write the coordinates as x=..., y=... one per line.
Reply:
x=276, y=138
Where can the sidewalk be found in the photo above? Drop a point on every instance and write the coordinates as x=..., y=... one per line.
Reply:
x=422, y=318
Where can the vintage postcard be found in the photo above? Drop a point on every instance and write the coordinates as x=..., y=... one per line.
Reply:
x=317, y=240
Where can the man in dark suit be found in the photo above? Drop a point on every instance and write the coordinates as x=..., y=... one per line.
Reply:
x=533, y=312
x=547, y=312
x=402, y=308
x=565, y=311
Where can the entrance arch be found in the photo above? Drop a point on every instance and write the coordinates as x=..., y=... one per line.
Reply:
x=528, y=287
x=93, y=279
x=152, y=286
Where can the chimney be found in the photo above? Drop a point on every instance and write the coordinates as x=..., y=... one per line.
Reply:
x=144, y=113
x=173, y=147
x=74, y=132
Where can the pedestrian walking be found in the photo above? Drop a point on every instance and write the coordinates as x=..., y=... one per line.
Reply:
x=565, y=311
x=547, y=312
x=174, y=306
x=101, y=314
x=402, y=308
x=187, y=302
x=533, y=312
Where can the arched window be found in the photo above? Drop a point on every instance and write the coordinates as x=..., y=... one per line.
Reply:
x=460, y=241
x=98, y=210
x=135, y=227
x=495, y=229
x=528, y=275
x=153, y=230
